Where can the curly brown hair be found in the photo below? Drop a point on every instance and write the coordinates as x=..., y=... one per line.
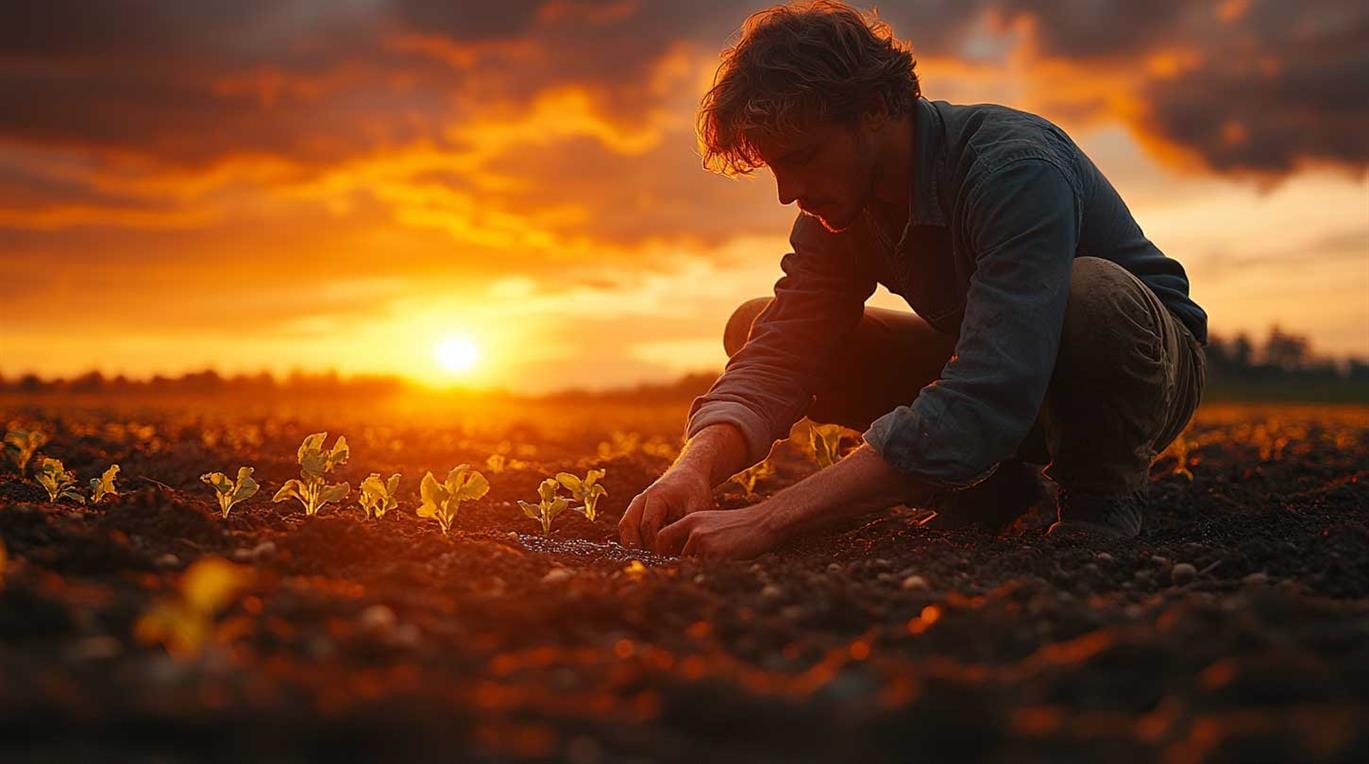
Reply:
x=793, y=65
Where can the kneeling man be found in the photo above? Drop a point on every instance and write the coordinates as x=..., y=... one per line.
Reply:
x=1048, y=330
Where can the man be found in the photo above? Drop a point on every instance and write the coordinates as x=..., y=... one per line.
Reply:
x=1049, y=329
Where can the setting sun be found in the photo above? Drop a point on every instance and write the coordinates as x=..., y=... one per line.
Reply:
x=457, y=355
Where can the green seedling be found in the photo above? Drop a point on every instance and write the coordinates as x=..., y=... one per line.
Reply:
x=20, y=446
x=377, y=496
x=230, y=492
x=58, y=480
x=103, y=485
x=312, y=489
x=549, y=507
x=443, y=500
x=826, y=442
x=748, y=477
x=586, y=491
x=1181, y=448
x=185, y=622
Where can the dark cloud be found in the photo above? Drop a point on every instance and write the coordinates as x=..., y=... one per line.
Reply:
x=305, y=87
x=1259, y=86
x=1286, y=84
x=1093, y=29
x=469, y=19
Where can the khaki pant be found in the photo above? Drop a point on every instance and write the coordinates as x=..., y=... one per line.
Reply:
x=1126, y=381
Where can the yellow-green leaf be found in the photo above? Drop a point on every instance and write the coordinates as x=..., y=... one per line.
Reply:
x=332, y=493
x=293, y=489
x=339, y=455
x=432, y=494
x=218, y=481
x=245, y=487
x=571, y=482
x=547, y=490
x=471, y=486
x=210, y=583
x=104, y=485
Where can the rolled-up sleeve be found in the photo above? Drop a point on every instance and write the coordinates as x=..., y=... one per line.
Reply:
x=769, y=383
x=1022, y=222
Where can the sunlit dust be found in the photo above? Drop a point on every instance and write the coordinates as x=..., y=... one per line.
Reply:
x=457, y=355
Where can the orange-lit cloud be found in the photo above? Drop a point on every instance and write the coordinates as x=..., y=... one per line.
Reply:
x=209, y=158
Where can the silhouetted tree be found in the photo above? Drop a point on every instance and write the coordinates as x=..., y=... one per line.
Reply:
x=1285, y=351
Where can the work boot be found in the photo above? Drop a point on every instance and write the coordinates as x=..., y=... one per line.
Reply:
x=992, y=504
x=1117, y=516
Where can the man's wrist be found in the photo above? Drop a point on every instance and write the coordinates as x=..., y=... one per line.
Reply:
x=771, y=520
x=714, y=450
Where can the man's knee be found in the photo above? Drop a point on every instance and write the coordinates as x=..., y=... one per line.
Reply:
x=1109, y=317
x=739, y=325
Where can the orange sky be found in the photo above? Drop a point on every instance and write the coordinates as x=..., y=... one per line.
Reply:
x=348, y=183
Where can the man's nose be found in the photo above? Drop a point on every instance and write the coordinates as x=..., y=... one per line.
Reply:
x=789, y=190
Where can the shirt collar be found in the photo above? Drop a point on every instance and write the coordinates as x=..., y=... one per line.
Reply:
x=929, y=139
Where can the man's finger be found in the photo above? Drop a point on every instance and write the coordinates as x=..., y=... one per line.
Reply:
x=691, y=546
x=628, y=526
x=673, y=536
x=653, y=517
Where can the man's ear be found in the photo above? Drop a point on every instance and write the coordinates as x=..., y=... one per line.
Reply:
x=875, y=113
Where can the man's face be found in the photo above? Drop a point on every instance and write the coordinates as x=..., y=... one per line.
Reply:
x=829, y=169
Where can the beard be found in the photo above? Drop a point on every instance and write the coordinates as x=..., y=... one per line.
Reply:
x=833, y=225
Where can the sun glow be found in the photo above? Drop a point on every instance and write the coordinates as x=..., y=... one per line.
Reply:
x=457, y=355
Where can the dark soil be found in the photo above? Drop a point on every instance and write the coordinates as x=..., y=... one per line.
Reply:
x=374, y=640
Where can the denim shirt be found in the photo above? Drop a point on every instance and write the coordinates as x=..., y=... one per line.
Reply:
x=1002, y=202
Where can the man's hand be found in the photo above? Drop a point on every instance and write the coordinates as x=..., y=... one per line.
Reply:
x=729, y=534
x=860, y=483
x=713, y=454
x=679, y=492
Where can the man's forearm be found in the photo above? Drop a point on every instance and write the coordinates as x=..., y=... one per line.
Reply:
x=860, y=483
x=718, y=451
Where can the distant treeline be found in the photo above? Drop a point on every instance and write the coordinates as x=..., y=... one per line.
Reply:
x=1281, y=367
x=208, y=382
x=323, y=384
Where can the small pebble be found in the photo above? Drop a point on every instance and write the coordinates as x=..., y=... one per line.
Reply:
x=915, y=583
x=243, y=555
x=584, y=750
x=1103, y=557
x=320, y=648
x=1161, y=561
x=699, y=578
x=885, y=578
x=406, y=635
x=168, y=561
x=512, y=535
x=263, y=549
x=377, y=619
x=556, y=576
x=1256, y=579
x=833, y=567
x=96, y=648
x=771, y=592
x=1182, y=573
